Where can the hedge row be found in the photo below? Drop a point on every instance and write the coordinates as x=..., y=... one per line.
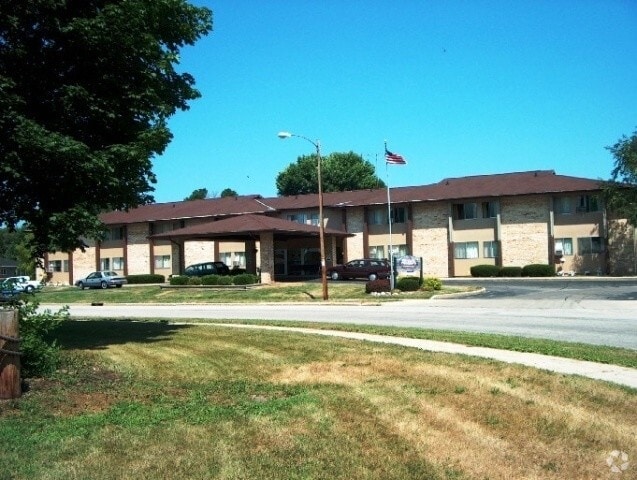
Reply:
x=240, y=279
x=404, y=284
x=533, y=270
x=145, y=278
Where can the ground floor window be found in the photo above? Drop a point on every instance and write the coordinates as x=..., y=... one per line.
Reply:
x=105, y=263
x=589, y=245
x=58, y=265
x=398, y=250
x=466, y=250
x=376, y=251
x=162, y=261
x=118, y=263
x=490, y=249
x=564, y=246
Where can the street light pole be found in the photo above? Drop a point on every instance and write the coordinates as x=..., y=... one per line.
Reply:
x=317, y=145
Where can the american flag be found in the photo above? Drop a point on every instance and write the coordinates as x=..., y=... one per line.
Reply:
x=394, y=158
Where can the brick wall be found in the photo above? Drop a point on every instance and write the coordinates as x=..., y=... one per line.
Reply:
x=524, y=230
x=138, y=254
x=430, y=237
x=355, y=223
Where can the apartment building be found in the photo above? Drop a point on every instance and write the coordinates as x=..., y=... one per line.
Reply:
x=511, y=219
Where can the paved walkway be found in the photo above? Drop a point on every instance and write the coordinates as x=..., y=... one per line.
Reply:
x=598, y=371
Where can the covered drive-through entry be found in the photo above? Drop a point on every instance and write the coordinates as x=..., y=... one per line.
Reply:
x=268, y=240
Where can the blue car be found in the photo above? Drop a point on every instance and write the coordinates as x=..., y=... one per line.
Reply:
x=102, y=279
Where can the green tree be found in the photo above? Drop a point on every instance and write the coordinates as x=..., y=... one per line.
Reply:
x=199, y=194
x=228, y=192
x=339, y=171
x=621, y=192
x=86, y=88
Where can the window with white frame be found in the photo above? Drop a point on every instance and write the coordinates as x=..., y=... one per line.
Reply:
x=377, y=251
x=118, y=263
x=58, y=265
x=239, y=260
x=377, y=216
x=226, y=257
x=490, y=209
x=465, y=211
x=304, y=218
x=490, y=249
x=463, y=250
x=105, y=263
x=564, y=246
x=162, y=261
x=589, y=245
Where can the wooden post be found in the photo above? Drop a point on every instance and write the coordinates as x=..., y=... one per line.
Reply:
x=9, y=355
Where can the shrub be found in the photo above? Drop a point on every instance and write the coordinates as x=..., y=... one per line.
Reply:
x=145, y=278
x=538, y=270
x=237, y=271
x=40, y=352
x=179, y=280
x=408, y=284
x=485, y=271
x=432, y=283
x=377, y=286
x=225, y=280
x=510, y=272
x=194, y=280
x=244, y=279
x=212, y=279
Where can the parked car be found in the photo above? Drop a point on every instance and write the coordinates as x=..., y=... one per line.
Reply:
x=369, y=268
x=20, y=284
x=101, y=279
x=207, y=268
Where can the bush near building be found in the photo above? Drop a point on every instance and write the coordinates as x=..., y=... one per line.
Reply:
x=378, y=286
x=432, y=283
x=145, y=279
x=538, y=270
x=408, y=284
x=485, y=271
x=510, y=272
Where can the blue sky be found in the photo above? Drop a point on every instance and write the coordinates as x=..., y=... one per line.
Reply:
x=457, y=87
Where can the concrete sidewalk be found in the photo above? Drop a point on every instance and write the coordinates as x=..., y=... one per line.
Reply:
x=598, y=371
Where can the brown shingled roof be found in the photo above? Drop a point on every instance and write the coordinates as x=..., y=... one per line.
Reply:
x=209, y=207
x=247, y=225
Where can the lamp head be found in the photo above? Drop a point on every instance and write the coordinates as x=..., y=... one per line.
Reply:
x=284, y=134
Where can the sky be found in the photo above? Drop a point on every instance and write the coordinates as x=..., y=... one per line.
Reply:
x=458, y=88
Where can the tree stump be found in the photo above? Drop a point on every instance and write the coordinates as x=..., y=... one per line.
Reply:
x=9, y=355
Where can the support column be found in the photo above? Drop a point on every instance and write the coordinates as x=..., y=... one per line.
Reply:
x=267, y=257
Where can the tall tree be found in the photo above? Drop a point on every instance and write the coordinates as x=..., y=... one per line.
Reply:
x=199, y=194
x=228, y=192
x=339, y=172
x=621, y=192
x=86, y=88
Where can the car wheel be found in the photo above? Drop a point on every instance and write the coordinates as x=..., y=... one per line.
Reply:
x=372, y=277
x=81, y=286
x=334, y=276
x=29, y=289
x=103, y=285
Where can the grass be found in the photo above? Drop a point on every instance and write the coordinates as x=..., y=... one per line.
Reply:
x=149, y=400
x=290, y=292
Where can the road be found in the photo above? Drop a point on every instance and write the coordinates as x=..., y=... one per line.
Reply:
x=587, y=311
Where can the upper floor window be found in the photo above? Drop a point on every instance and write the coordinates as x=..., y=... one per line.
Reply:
x=562, y=205
x=114, y=233
x=305, y=218
x=377, y=216
x=398, y=215
x=490, y=209
x=587, y=203
x=465, y=211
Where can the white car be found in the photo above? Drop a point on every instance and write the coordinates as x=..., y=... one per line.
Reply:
x=22, y=284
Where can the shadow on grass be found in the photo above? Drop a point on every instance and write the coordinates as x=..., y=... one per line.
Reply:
x=98, y=334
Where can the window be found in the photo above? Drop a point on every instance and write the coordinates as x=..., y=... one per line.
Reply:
x=105, y=263
x=589, y=245
x=240, y=259
x=305, y=218
x=377, y=216
x=490, y=209
x=398, y=250
x=58, y=265
x=226, y=257
x=377, y=251
x=466, y=250
x=562, y=205
x=162, y=261
x=115, y=233
x=490, y=249
x=398, y=215
x=118, y=263
x=465, y=211
x=587, y=203
x=564, y=246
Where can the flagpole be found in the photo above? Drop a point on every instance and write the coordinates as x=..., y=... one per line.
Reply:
x=391, y=246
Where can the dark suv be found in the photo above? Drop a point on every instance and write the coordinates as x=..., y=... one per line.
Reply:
x=369, y=268
x=207, y=268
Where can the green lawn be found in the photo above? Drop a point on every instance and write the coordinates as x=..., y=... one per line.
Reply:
x=150, y=400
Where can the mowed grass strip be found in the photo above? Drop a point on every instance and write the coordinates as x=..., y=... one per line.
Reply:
x=154, y=400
